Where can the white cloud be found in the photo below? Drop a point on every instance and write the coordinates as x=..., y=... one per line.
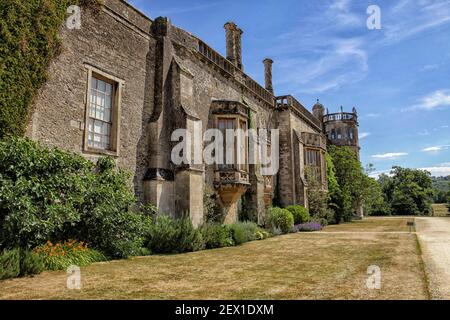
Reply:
x=319, y=56
x=435, y=148
x=423, y=132
x=389, y=155
x=340, y=12
x=429, y=67
x=315, y=57
x=410, y=18
x=363, y=135
x=376, y=174
x=434, y=100
x=438, y=171
x=338, y=62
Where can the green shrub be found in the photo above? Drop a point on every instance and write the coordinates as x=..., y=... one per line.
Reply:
x=10, y=264
x=247, y=231
x=50, y=194
x=300, y=214
x=280, y=220
x=168, y=235
x=61, y=255
x=189, y=238
x=18, y=263
x=30, y=263
x=162, y=235
x=217, y=236
x=212, y=210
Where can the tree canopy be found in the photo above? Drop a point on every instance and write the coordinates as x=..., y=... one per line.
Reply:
x=407, y=191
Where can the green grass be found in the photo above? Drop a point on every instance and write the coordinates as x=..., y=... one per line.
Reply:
x=316, y=265
x=373, y=224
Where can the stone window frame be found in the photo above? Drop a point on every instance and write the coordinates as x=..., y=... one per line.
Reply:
x=238, y=120
x=118, y=85
x=318, y=167
x=237, y=124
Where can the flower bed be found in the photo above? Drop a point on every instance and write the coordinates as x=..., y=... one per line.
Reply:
x=308, y=227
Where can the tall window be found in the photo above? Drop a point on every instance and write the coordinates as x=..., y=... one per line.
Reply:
x=333, y=134
x=313, y=164
x=350, y=133
x=339, y=133
x=243, y=146
x=100, y=114
x=224, y=124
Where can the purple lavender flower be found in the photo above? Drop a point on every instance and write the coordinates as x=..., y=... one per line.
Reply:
x=310, y=226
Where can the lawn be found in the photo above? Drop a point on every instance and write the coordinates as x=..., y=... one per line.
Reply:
x=384, y=224
x=440, y=210
x=319, y=265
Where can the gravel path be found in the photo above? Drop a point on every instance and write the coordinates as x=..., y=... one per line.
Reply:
x=434, y=237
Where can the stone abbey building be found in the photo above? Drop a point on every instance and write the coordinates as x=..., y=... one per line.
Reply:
x=123, y=83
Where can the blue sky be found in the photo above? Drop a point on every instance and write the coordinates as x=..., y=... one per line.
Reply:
x=397, y=77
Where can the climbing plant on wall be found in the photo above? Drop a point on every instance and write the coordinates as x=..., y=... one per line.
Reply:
x=28, y=42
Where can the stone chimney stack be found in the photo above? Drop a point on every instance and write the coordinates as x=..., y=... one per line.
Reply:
x=268, y=74
x=234, y=44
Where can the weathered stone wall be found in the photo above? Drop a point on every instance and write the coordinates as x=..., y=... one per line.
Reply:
x=211, y=84
x=167, y=82
x=116, y=41
x=291, y=176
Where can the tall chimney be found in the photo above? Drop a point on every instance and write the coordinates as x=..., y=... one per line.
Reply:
x=234, y=44
x=268, y=74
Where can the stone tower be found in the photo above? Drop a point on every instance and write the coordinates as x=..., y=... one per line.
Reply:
x=318, y=110
x=341, y=128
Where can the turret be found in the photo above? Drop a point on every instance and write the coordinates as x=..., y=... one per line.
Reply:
x=342, y=128
x=318, y=110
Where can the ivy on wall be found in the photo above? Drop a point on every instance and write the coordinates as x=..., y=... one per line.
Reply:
x=28, y=42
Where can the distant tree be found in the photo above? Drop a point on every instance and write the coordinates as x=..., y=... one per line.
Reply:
x=441, y=188
x=374, y=201
x=440, y=196
x=448, y=199
x=334, y=191
x=352, y=181
x=408, y=191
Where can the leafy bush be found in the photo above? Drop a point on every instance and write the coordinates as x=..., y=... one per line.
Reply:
x=62, y=255
x=212, y=210
x=217, y=236
x=168, y=235
x=18, y=263
x=30, y=263
x=318, y=204
x=300, y=214
x=10, y=264
x=280, y=219
x=247, y=231
x=57, y=195
x=311, y=226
